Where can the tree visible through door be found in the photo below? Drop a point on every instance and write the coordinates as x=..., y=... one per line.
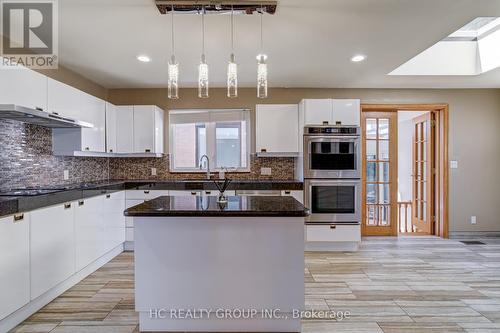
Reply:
x=422, y=173
x=380, y=173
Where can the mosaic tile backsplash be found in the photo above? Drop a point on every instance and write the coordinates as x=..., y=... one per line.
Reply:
x=26, y=160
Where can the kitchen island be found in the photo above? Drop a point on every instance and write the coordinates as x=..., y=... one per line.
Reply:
x=210, y=267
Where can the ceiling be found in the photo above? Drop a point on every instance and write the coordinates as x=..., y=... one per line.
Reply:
x=309, y=43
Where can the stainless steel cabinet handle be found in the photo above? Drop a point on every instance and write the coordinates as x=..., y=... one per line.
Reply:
x=67, y=205
x=146, y=192
x=208, y=192
x=288, y=192
x=111, y=150
x=193, y=193
x=87, y=148
x=18, y=217
x=81, y=202
x=333, y=227
x=38, y=108
x=55, y=113
x=263, y=150
x=108, y=196
x=147, y=150
x=325, y=122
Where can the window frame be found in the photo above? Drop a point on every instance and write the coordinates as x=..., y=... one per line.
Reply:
x=211, y=150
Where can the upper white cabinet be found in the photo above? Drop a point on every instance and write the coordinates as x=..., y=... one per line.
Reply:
x=124, y=129
x=67, y=101
x=139, y=129
x=23, y=87
x=148, y=129
x=346, y=111
x=329, y=111
x=110, y=128
x=316, y=111
x=52, y=247
x=275, y=129
x=14, y=263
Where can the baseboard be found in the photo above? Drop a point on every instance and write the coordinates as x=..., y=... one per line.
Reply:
x=23, y=313
x=473, y=234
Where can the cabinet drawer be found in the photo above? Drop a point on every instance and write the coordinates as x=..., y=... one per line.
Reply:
x=145, y=194
x=333, y=233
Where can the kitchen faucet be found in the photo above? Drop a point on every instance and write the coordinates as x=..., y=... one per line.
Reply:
x=208, y=165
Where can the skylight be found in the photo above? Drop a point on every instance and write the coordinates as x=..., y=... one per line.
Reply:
x=471, y=50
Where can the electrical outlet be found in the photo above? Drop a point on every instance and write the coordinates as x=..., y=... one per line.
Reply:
x=153, y=171
x=453, y=164
x=473, y=220
x=265, y=171
x=66, y=174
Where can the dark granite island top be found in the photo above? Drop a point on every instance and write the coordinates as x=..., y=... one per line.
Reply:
x=249, y=206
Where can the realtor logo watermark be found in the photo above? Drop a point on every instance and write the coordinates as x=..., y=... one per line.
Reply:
x=29, y=33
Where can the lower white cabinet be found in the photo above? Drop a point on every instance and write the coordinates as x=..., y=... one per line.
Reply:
x=333, y=233
x=52, y=247
x=114, y=220
x=89, y=231
x=14, y=263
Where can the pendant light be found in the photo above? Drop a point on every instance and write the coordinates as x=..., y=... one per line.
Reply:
x=203, y=66
x=232, y=67
x=261, y=64
x=173, y=67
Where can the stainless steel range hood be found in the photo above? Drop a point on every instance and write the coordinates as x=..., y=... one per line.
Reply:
x=38, y=117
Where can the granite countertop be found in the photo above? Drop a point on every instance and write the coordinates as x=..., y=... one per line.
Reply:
x=206, y=206
x=73, y=192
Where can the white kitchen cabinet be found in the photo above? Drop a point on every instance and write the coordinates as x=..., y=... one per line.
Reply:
x=113, y=220
x=316, y=111
x=14, y=263
x=275, y=126
x=73, y=103
x=298, y=195
x=148, y=129
x=124, y=129
x=346, y=111
x=52, y=247
x=333, y=233
x=89, y=231
x=23, y=87
x=110, y=128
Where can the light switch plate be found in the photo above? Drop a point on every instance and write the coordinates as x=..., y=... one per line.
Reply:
x=153, y=171
x=66, y=174
x=453, y=164
x=265, y=171
x=473, y=220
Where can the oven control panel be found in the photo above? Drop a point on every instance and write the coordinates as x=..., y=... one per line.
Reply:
x=335, y=130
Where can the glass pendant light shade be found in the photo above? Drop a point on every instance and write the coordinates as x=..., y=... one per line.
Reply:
x=203, y=78
x=232, y=78
x=173, y=79
x=261, y=76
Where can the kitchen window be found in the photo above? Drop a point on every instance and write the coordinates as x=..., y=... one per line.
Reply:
x=222, y=135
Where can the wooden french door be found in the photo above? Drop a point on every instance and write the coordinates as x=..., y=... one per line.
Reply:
x=423, y=179
x=379, y=195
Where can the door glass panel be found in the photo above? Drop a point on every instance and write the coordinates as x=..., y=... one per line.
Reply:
x=371, y=128
x=371, y=193
x=383, y=128
x=383, y=150
x=371, y=150
x=384, y=215
x=333, y=199
x=383, y=173
x=371, y=215
x=383, y=194
x=371, y=172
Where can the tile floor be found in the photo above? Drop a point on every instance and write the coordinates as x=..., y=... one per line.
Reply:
x=418, y=284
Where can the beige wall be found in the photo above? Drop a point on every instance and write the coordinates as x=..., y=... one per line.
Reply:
x=474, y=135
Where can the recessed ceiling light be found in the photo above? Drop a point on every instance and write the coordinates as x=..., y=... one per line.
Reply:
x=143, y=58
x=358, y=58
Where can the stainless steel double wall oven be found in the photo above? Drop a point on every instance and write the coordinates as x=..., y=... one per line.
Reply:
x=332, y=172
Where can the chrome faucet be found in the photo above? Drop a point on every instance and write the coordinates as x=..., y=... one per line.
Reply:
x=208, y=165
